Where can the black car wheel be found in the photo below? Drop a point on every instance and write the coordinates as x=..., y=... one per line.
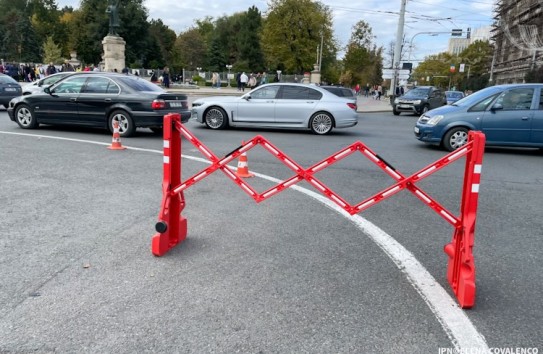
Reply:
x=215, y=118
x=425, y=109
x=395, y=112
x=25, y=117
x=126, y=123
x=321, y=123
x=455, y=138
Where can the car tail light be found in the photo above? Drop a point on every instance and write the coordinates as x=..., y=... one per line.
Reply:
x=158, y=104
x=352, y=105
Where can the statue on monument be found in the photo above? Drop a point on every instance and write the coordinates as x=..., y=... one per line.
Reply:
x=113, y=11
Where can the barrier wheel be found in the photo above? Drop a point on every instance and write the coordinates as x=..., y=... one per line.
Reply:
x=321, y=123
x=455, y=138
x=216, y=118
x=126, y=123
x=25, y=117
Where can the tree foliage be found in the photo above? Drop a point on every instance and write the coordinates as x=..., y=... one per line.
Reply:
x=293, y=31
x=363, y=59
x=476, y=59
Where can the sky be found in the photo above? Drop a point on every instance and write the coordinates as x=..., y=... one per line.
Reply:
x=382, y=16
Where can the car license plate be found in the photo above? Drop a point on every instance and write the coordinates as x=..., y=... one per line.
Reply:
x=404, y=106
x=416, y=130
x=11, y=89
x=176, y=104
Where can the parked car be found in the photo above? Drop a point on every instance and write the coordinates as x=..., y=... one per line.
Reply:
x=9, y=88
x=95, y=99
x=419, y=100
x=278, y=105
x=509, y=115
x=453, y=96
x=41, y=84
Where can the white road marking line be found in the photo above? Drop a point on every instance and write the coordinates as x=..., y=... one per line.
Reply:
x=453, y=319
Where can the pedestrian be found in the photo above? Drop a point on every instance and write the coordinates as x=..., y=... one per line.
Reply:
x=238, y=80
x=67, y=66
x=166, y=77
x=51, y=69
x=367, y=90
x=379, y=92
x=243, y=79
x=357, y=89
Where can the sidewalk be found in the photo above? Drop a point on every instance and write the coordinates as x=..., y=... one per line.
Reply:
x=365, y=104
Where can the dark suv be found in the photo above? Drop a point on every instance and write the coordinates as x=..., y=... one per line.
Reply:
x=419, y=100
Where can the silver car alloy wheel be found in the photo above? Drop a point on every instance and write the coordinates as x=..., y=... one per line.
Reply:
x=123, y=122
x=321, y=123
x=214, y=118
x=458, y=139
x=24, y=116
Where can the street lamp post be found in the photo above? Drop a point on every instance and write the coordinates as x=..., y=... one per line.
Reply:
x=228, y=66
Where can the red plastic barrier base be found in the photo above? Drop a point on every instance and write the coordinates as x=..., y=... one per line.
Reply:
x=461, y=277
x=163, y=242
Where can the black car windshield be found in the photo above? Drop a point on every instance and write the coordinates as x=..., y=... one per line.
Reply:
x=418, y=92
x=477, y=96
x=139, y=84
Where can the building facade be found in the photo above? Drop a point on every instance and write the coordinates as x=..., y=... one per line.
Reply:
x=518, y=37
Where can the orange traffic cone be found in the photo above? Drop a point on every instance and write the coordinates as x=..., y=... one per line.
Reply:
x=116, y=140
x=243, y=167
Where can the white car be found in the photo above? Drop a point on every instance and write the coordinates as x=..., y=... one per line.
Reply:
x=278, y=105
x=39, y=85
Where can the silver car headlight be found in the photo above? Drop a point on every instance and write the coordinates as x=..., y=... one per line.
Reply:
x=435, y=119
x=417, y=101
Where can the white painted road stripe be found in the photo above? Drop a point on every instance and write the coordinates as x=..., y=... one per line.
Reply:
x=453, y=319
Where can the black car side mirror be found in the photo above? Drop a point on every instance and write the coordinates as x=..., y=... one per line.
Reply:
x=46, y=90
x=247, y=97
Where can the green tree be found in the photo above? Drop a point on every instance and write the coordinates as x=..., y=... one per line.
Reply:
x=437, y=69
x=477, y=58
x=165, y=39
x=51, y=51
x=363, y=59
x=293, y=31
x=190, y=49
x=248, y=40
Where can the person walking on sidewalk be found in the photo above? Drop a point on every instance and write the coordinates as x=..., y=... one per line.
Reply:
x=379, y=92
x=243, y=79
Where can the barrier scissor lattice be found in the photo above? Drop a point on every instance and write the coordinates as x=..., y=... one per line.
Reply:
x=172, y=226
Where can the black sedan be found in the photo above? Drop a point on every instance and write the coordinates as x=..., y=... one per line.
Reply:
x=96, y=99
x=9, y=88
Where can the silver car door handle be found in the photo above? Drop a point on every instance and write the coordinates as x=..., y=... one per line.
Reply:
x=73, y=99
x=525, y=118
x=107, y=99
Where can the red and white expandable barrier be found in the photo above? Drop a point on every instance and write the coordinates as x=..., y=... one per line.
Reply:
x=172, y=227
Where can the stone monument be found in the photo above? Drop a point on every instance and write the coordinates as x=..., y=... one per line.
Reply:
x=114, y=45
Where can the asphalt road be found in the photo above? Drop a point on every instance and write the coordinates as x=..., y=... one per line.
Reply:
x=286, y=275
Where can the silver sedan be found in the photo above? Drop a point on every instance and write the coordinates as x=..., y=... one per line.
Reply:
x=278, y=105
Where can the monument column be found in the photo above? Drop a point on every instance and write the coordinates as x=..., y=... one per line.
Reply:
x=114, y=58
x=114, y=45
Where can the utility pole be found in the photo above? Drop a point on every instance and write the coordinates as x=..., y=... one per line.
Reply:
x=397, y=50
